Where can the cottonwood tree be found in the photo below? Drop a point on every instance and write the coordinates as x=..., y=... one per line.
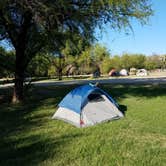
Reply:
x=28, y=24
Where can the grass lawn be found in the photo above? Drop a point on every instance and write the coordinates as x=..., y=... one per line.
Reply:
x=28, y=135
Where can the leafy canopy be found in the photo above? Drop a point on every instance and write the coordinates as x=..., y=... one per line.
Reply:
x=32, y=22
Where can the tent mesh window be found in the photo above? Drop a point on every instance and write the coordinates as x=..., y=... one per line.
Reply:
x=95, y=97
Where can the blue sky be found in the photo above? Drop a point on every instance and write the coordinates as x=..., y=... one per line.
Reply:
x=149, y=39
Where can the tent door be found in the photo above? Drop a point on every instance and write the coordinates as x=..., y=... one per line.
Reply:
x=98, y=110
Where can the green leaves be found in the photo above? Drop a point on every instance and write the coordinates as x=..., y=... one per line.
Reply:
x=6, y=63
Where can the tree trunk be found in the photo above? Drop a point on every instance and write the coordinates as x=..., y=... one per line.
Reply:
x=60, y=68
x=19, y=78
x=60, y=73
x=18, y=89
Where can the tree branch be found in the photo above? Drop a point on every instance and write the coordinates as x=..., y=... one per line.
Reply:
x=6, y=25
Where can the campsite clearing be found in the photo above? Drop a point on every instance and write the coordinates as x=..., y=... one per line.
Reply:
x=29, y=136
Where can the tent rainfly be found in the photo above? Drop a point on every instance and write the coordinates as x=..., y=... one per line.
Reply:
x=87, y=105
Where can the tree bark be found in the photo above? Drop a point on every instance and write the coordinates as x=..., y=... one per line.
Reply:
x=60, y=74
x=18, y=95
x=18, y=89
x=60, y=68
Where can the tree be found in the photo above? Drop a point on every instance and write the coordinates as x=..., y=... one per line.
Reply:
x=163, y=60
x=99, y=52
x=150, y=64
x=30, y=25
x=59, y=64
x=39, y=65
x=106, y=65
x=153, y=62
x=133, y=60
x=116, y=62
x=85, y=62
x=72, y=52
x=7, y=59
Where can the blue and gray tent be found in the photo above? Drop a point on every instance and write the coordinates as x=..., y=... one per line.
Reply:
x=87, y=105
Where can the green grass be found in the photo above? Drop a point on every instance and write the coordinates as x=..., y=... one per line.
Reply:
x=28, y=135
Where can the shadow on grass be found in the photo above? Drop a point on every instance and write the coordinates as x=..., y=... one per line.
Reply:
x=32, y=150
x=20, y=141
x=120, y=92
x=123, y=109
x=23, y=140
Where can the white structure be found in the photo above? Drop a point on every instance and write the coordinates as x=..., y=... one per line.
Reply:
x=142, y=72
x=123, y=72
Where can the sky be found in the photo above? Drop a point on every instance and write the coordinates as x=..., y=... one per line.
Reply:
x=148, y=39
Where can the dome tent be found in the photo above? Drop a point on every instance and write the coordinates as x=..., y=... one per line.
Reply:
x=123, y=72
x=142, y=72
x=87, y=105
